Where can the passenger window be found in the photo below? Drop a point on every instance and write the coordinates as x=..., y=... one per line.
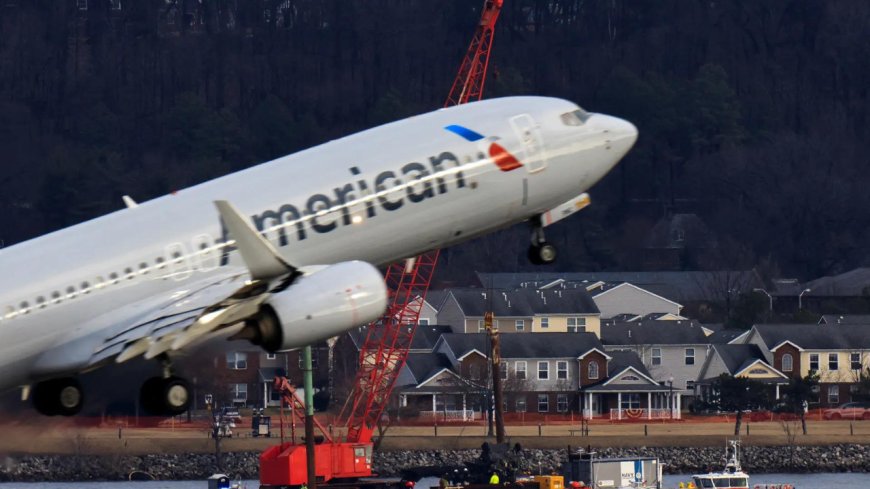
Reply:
x=25, y=307
x=99, y=282
x=55, y=297
x=40, y=302
x=128, y=272
x=143, y=268
x=70, y=292
x=86, y=287
x=161, y=263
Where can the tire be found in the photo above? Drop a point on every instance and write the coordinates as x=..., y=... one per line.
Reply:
x=62, y=397
x=175, y=395
x=542, y=254
x=547, y=253
x=165, y=397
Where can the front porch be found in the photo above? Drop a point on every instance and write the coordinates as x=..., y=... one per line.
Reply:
x=624, y=402
x=442, y=405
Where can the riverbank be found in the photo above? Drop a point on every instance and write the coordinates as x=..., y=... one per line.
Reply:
x=64, y=437
x=198, y=466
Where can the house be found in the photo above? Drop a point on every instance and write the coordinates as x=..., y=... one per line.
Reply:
x=521, y=310
x=248, y=375
x=615, y=299
x=681, y=287
x=745, y=360
x=837, y=353
x=672, y=351
x=629, y=392
x=347, y=355
x=543, y=373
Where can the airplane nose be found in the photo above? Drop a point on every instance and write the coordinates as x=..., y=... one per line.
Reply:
x=621, y=134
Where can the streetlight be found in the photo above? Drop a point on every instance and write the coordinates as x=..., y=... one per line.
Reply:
x=800, y=296
x=768, y=296
x=671, y=396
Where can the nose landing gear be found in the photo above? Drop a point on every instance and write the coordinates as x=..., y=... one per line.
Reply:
x=540, y=252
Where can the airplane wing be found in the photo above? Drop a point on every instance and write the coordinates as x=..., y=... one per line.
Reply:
x=193, y=312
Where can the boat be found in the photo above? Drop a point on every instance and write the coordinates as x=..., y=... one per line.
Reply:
x=732, y=477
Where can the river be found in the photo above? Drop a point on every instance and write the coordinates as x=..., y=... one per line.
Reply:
x=799, y=481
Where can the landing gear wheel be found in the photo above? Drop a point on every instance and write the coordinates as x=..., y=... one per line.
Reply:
x=58, y=397
x=165, y=396
x=543, y=254
x=540, y=252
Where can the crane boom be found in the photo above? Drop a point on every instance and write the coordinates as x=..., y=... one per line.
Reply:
x=469, y=82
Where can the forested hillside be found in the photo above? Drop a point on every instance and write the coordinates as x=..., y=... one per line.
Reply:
x=752, y=114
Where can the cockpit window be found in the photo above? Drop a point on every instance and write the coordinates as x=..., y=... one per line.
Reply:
x=575, y=118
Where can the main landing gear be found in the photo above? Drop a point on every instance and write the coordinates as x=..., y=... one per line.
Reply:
x=168, y=395
x=54, y=397
x=540, y=252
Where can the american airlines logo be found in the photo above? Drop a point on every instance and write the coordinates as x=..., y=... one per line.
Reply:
x=500, y=156
x=348, y=204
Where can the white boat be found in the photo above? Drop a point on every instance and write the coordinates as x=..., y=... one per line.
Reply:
x=732, y=477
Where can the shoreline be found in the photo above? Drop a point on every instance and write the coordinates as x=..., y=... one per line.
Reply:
x=842, y=458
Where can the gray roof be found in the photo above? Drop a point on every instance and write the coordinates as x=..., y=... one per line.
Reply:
x=621, y=360
x=738, y=357
x=815, y=336
x=856, y=319
x=622, y=317
x=524, y=302
x=653, y=333
x=724, y=336
x=675, y=286
x=526, y=345
x=436, y=297
x=425, y=365
x=424, y=338
x=852, y=283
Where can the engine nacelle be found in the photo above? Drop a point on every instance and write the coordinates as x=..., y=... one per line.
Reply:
x=320, y=305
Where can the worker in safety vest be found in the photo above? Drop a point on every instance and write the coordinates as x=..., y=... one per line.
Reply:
x=494, y=479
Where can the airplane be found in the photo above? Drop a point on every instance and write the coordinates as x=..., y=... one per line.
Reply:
x=285, y=253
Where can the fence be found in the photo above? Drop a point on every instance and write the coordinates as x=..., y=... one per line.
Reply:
x=448, y=415
x=641, y=413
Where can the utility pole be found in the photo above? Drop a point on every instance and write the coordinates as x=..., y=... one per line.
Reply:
x=308, y=384
x=495, y=359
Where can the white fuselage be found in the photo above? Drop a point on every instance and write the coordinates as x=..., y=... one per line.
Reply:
x=379, y=196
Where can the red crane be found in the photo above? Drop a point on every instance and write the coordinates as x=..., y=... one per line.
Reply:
x=388, y=340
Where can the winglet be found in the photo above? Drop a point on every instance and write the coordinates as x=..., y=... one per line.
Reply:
x=261, y=258
x=129, y=202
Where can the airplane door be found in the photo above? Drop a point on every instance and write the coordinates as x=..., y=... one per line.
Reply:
x=529, y=134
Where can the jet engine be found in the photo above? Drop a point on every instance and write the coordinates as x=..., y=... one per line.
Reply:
x=320, y=304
